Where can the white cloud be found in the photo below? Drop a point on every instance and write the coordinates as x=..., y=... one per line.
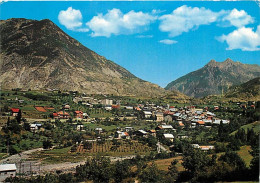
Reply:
x=115, y=22
x=185, y=18
x=243, y=38
x=238, y=18
x=70, y=18
x=144, y=36
x=155, y=11
x=168, y=41
x=82, y=29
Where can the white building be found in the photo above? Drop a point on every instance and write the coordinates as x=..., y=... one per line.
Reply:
x=147, y=114
x=7, y=170
x=129, y=107
x=218, y=121
x=107, y=102
x=169, y=136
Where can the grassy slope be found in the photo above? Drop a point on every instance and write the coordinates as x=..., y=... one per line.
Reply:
x=163, y=164
x=254, y=125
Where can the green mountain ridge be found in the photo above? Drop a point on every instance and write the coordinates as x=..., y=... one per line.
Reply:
x=246, y=91
x=214, y=78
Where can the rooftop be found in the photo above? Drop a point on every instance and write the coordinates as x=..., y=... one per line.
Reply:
x=7, y=167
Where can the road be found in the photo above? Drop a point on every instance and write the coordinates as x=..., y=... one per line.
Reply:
x=160, y=147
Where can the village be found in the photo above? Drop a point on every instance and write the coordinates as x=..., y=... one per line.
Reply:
x=167, y=118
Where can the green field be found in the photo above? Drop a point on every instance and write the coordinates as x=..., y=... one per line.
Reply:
x=244, y=153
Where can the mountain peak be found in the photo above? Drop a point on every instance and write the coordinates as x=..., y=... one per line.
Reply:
x=212, y=63
x=214, y=78
x=228, y=60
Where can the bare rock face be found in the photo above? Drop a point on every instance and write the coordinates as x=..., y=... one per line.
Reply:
x=214, y=78
x=39, y=55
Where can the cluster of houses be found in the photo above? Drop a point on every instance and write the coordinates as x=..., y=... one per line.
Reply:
x=189, y=116
x=130, y=132
x=64, y=114
x=193, y=117
x=90, y=101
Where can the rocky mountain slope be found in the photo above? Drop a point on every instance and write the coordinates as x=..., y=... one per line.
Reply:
x=246, y=91
x=214, y=78
x=38, y=55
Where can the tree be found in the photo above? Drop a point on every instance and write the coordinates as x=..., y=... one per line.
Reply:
x=19, y=116
x=87, y=145
x=254, y=164
x=97, y=169
x=14, y=126
x=122, y=171
x=47, y=144
x=222, y=132
x=26, y=126
x=12, y=150
x=194, y=160
x=236, y=162
x=172, y=170
x=151, y=174
x=234, y=144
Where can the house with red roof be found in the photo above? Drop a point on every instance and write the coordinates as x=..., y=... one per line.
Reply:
x=200, y=123
x=15, y=111
x=78, y=114
x=122, y=135
x=181, y=124
x=115, y=106
x=60, y=115
x=55, y=115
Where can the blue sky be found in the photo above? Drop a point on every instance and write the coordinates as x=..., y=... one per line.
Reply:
x=157, y=41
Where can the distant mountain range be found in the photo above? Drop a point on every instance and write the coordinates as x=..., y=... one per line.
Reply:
x=39, y=55
x=214, y=78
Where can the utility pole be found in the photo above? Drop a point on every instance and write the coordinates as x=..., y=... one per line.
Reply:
x=20, y=168
x=31, y=168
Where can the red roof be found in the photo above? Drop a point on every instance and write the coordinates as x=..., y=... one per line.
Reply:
x=115, y=106
x=63, y=113
x=40, y=109
x=55, y=114
x=15, y=110
x=172, y=107
x=126, y=134
x=181, y=124
x=78, y=112
x=168, y=112
x=201, y=122
x=137, y=108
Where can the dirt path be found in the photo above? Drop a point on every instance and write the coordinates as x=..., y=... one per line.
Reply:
x=67, y=166
x=18, y=157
